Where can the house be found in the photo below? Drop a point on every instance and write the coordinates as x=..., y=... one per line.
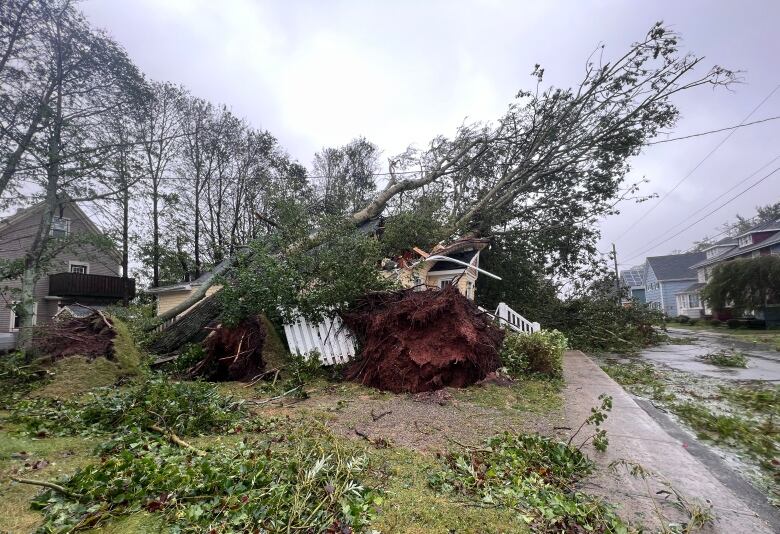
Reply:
x=760, y=240
x=456, y=263
x=172, y=295
x=79, y=273
x=633, y=279
x=665, y=276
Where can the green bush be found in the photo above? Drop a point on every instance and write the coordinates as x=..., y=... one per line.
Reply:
x=693, y=322
x=733, y=323
x=682, y=319
x=715, y=323
x=535, y=353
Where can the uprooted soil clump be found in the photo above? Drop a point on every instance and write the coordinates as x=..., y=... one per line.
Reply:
x=90, y=336
x=232, y=353
x=415, y=341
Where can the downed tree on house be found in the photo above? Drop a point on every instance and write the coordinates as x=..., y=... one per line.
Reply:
x=190, y=328
x=232, y=353
x=413, y=341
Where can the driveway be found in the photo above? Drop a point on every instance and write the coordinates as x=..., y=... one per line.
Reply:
x=636, y=434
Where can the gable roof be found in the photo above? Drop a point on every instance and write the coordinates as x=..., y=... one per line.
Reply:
x=675, y=266
x=465, y=256
x=736, y=251
x=768, y=226
x=29, y=211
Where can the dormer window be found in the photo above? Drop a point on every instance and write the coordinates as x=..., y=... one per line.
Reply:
x=60, y=227
x=746, y=240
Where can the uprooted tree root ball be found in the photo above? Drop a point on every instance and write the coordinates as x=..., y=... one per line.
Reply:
x=90, y=336
x=413, y=341
x=232, y=353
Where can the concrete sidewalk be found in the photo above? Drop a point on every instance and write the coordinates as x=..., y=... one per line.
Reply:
x=637, y=437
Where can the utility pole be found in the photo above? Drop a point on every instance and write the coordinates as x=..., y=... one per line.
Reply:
x=617, y=274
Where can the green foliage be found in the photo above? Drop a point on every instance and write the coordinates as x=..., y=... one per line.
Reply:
x=598, y=414
x=759, y=439
x=600, y=324
x=303, y=280
x=533, y=475
x=726, y=358
x=18, y=377
x=683, y=319
x=420, y=226
x=534, y=353
x=744, y=284
x=248, y=487
x=187, y=408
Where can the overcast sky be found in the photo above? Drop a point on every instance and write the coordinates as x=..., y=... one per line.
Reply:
x=319, y=73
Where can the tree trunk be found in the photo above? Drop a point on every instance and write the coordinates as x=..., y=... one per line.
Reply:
x=125, y=243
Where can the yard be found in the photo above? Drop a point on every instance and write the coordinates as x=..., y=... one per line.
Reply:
x=401, y=436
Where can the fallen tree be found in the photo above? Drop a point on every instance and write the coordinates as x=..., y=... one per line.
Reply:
x=557, y=159
x=413, y=341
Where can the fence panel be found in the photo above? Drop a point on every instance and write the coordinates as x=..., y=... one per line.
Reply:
x=330, y=339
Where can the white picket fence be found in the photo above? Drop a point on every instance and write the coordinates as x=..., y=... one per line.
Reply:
x=335, y=344
x=330, y=339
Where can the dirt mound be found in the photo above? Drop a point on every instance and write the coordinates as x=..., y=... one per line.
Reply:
x=415, y=341
x=232, y=353
x=90, y=337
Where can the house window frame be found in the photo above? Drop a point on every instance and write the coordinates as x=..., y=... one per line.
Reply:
x=446, y=282
x=12, y=324
x=73, y=263
x=66, y=220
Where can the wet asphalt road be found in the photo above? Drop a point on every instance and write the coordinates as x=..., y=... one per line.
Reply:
x=763, y=363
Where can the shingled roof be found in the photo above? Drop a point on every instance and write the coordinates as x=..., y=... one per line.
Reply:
x=675, y=266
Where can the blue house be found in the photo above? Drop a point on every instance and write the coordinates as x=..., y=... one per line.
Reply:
x=633, y=280
x=665, y=276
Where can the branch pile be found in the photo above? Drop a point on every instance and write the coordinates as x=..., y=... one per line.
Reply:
x=232, y=353
x=415, y=341
x=90, y=336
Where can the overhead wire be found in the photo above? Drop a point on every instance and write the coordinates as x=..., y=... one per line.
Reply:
x=697, y=166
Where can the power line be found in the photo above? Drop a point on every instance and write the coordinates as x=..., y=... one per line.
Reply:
x=710, y=153
x=706, y=215
x=711, y=202
x=713, y=131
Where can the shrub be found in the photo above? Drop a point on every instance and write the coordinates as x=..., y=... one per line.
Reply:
x=733, y=323
x=535, y=353
x=693, y=322
x=715, y=322
x=683, y=319
x=756, y=324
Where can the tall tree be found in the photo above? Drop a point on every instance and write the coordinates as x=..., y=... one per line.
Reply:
x=90, y=76
x=345, y=176
x=161, y=132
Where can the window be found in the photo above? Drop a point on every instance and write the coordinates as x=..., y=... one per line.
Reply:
x=445, y=283
x=60, y=227
x=78, y=267
x=746, y=240
x=16, y=320
x=470, y=290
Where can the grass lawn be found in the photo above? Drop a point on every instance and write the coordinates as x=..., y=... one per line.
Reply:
x=401, y=435
x=769, y=337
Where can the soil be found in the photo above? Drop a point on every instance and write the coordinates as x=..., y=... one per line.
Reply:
x=429, y=422
x=414, y=341
x=233, y=353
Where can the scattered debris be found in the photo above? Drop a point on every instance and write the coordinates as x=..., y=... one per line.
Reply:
x=232, y=353
x=414, y=341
